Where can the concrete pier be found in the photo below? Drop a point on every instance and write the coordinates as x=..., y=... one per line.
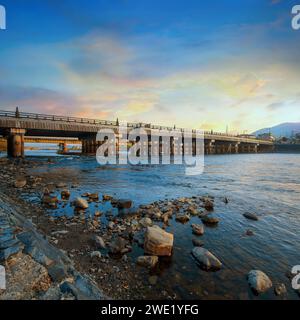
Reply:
x=15, y=142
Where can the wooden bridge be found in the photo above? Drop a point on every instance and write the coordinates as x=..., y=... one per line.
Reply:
x=16, y=126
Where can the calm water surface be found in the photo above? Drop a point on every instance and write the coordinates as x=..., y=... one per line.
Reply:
x=266, y=184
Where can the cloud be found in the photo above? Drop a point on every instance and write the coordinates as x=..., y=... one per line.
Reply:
x=188, y=79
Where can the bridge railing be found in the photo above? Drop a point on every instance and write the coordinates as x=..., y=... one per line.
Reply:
x=37, y=116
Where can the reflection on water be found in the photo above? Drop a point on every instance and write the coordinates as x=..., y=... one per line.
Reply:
x=266, y=184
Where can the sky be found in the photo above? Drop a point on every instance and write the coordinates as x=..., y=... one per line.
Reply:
x=197, y=64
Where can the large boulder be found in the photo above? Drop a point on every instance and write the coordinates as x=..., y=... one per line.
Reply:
x=259, y=281
x=80, y=203
x=158, y=242
x=206, y=259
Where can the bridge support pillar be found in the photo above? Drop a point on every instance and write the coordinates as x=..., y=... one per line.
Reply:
x=15, y=143
x=235, y=148
x=210, y=147
x=63, y=147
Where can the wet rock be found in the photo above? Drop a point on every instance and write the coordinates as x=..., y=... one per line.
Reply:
x=183, y=218
x=94, y=196
x=225, y=200
x=81, y=203
x=156, y=215
x=165, y=218
x=50, y=201
x=65, y=194
x=280, y=289
x=147, y=261
x=198, y=229
x=146, y=222
x=20, y=183
x=86, y=194
x=206, y=259
x=259, y=281
x=250, y=216
x=193, y=211
x=124, y=204
x=197, y=242
x=249, y=233
x=158, y=242
x=106, y=197
x=99, y=242
x=97, y=213
x=210, y=220
x=208, y=205
x=96, y=254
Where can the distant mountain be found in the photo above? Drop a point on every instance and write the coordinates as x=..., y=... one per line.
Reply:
x=281, y=130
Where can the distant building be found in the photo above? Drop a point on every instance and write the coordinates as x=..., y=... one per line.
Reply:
x=266, y=136
x=247, y=136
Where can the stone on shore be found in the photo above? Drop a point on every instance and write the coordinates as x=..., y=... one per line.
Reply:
x=117, y=245
x=158, y=242
x=124, y=204
x=147, y=261
x=250, y=216
x=96, y=254
x=99, y=242
x=146, y=222
x=81, y=203
x=20, y=183
x=259, y=281
x=280, y=289
x=198, y=229
x=206, y=259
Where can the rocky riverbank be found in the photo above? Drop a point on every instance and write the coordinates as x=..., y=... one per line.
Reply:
x=119, y=251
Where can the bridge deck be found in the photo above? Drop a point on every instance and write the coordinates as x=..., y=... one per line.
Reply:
x=60, y=126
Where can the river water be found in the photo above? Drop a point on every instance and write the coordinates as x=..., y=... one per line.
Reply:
x=265, y=184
